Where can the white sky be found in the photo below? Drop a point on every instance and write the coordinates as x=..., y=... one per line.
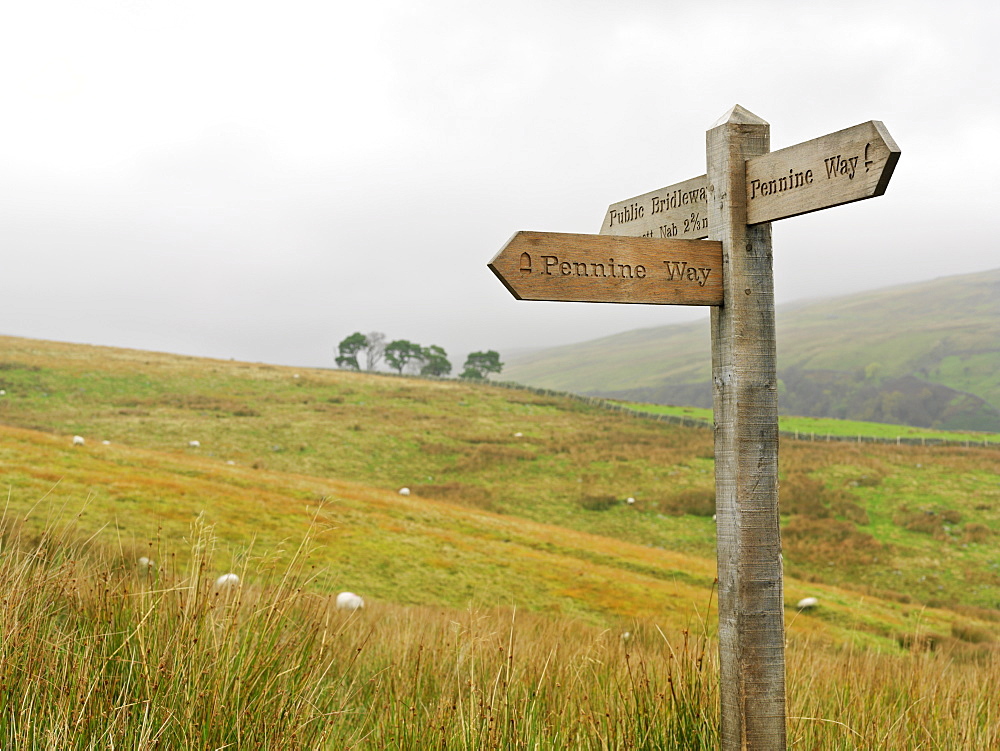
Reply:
x=258, y=180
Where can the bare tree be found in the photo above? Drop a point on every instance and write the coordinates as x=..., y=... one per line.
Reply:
x=374, y=349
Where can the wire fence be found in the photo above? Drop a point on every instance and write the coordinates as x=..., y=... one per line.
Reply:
x=798, y=435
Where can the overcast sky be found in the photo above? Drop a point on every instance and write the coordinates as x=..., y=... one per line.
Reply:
x=258, y=180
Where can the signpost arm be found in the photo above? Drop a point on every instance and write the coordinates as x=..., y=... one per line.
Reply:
x=751, y=600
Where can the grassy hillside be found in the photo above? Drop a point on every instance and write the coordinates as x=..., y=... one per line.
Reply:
x=498, y=591
x=515, y=496
x=922, y=354
x=97, y=654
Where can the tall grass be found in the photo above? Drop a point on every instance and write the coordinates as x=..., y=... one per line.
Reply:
x=924, y=699
x=99, y=653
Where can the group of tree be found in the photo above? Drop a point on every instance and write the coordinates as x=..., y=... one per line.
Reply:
x=403, y=355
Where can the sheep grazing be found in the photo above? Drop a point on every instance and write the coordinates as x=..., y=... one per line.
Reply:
x=194, y=444
x=404, y=491
x=630, y=500
x=145, y=565
x=349, y=601
x=78, y=440
x=227, y=581
x=806, y=603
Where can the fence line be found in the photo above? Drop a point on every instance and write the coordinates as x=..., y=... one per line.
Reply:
x=691, y=422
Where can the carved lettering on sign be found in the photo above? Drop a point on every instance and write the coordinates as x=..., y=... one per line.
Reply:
x=553, y=265
x=597, y=268
x=610, y=270
x=682, y=271
x=788, y=182
x=626, y=214
x=676, y=212
x=849, y=165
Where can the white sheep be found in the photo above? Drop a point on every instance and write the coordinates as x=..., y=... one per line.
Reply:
x=404, y=491
x=78, y=440
x=146, y=565
x=227, y=581
x=349, y=601
x=194, y=444
x=630, y=500
x=806, y=603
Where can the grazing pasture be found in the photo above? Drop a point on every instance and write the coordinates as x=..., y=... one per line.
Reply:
x=915, y=525
x=537, y=531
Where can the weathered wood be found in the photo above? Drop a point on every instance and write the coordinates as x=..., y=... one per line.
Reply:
x=597, y=268
x=842, y=167
x=751, y=612
x=649, y=252
x=678, y=211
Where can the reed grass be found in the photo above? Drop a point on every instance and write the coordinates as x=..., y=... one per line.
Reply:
x=98, y=652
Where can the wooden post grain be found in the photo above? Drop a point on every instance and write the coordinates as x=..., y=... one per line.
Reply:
x=751, y=599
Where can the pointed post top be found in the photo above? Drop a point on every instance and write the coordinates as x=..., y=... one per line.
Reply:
x=739, y=116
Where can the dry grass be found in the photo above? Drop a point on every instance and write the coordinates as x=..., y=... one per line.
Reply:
x=942, y=699
x=537, y=519
x=99, y=653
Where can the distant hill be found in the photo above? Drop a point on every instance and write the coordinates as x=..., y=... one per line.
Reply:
x=924, y=354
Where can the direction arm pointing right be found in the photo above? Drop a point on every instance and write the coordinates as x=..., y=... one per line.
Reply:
x=843, y=167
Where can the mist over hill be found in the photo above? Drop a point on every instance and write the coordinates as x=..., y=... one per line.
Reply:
x=925, y=354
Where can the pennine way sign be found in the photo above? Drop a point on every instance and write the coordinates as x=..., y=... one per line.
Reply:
x=596, y=268
x=649, y=251
x=850, y=165
x=842, y=167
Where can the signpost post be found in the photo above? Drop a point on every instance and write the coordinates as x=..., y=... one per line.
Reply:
x=649, y=251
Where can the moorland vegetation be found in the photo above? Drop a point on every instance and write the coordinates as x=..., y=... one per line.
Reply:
x=514, y=598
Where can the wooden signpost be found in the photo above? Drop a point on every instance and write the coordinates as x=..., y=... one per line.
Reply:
x=846, y=166
x=678, y=211
x=594, y=268
x=746, y=187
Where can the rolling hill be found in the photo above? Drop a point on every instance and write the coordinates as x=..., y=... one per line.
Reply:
x=515, y=497
x=924, y=354
x=517, y=511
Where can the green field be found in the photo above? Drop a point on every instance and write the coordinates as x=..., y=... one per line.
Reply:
x=918, y=354
x=502, y=584
x=816, y=428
